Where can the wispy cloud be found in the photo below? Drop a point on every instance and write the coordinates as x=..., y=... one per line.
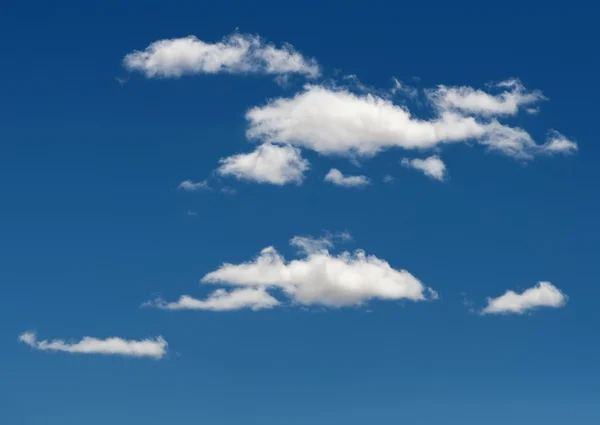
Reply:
x=221, y=300
x=473, y=101
x=336, y=177
x=235, y=54
x=155, y=348
x=190, y=186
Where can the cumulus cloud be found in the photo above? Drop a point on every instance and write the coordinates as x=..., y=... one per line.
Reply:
x=336, y=177
x=320, y=278
x=222, y=300
x=557, y=144
x=433, y=166
x=336, y=121
x=269, y=163
x=155, y=348
x=473, y=101
x=235, y=54
x=544, y=294
x=190, y=186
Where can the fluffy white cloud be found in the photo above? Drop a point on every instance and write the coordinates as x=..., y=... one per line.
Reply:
x=190, y=186
x=473, y=101
x=237, y=53
x=336, y=177
x=557, y=143
x=267, y=164
x=155, y=348
x=543, y=295
x=222, y=300
x=433, y=166
x=336, y=121
x=322, y=278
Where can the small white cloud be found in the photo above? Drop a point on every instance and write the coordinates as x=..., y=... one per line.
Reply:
x=433, y=166
x=269, y=163
x=190, y=186
x=155, y=348
x=310, y=245
x=388, y=179
x=222, y=300
x=543, y=295
x=235, y=54
x=336, y=177
x=400, y=87
x=320, y=278
x=557, y=143
x=191, y=213
x=473, y=101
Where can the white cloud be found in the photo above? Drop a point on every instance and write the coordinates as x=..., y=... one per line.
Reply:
x=222, y=300
x=336, y=177
x=388, y=179
x=322, y=278
x=190, y=186
x=473, y=101
x=310, y=245
x=543, y=295
x=336, y=121
x=557, y=143
x=237, y=53
x=433, y=166
x=267, y=164
x=155, y=348
x=400, y=87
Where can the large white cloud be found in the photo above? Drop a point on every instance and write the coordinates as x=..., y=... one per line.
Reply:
x=222, y=300
x=320, y=278
x=336, y=177
x=433, y=166
x=267, y=164
x=544, y=294
x=237, y=53
x=155, y=348
x=337, y=121
x=473, y=101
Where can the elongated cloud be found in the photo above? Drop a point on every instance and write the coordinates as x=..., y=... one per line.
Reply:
x=544, y=294
x=336, y=177
x=190, y=186
x=321, y=278
x=235, y=54
x=336, y=121
x=222, y=300
x=155, y=348
x=269, y=163
x=433, y=166
x=472, y=101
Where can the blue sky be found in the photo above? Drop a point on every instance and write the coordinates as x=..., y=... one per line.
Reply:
x=100, y=238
